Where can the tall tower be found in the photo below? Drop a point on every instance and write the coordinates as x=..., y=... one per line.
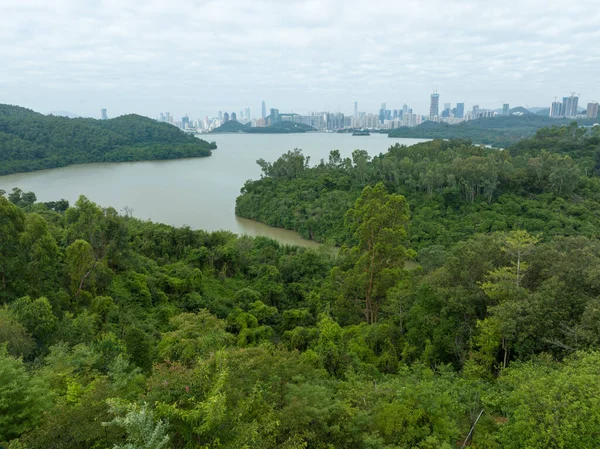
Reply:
x=356, y=109
x=505, y=109
x=103, y=114
x=264, y=109
x=435, y=104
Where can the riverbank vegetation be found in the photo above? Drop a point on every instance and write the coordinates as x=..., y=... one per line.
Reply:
x=31, y=141
x=115, y=332
x=499, y=132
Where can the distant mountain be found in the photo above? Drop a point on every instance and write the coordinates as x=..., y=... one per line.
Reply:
x=32, y=141
x=232, y=126
x=543, y=111
x=63, y=114
x=536, y=109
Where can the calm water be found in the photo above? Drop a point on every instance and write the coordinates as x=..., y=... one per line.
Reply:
x=197, y=192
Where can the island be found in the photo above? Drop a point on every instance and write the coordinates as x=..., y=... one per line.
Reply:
x=32, y=141
x=283, y=127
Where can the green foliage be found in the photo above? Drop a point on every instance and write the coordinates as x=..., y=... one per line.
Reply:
x=30, y=141
x=240, y=342
x=23, y=398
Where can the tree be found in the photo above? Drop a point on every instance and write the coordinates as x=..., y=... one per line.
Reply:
x=23, y=398
x=377, y=222
x=143, y=430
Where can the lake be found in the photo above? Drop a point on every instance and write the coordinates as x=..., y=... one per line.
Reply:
x=199, y=192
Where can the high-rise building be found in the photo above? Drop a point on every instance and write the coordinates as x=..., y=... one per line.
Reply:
x=435, y=105
x=233, y=116
x=220, y=116
x=274, y=117
x=248, y=114
x=103, y=114
x=356, y=109
x=185, y=122
x=225, y=117
x=264, y=110
x=505, y=109
x=382, y=113
x=570, y=106
x=556, y=109
x=405, y=108
x=460, y=110
x=592, y=110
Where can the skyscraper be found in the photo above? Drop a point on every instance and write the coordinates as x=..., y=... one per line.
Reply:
x=185, y=122
x=264, y=110
x=356, y=109
x=570, y=106
x=556, y=109
x=382, y=113
x=435, y=105
x=404, y=108
x=592, y=110
x=225, y=117
x=460, y=110
x=233, y=116
x=505, y=109
x=103, y=114
x=248, y=114
x=274, y=117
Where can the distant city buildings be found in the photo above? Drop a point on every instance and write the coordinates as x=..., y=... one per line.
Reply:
x=383, y=119
x=568, y=107
x=434, y=105
x=103, y=114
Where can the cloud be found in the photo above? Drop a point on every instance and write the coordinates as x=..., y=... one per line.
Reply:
x=202, y=56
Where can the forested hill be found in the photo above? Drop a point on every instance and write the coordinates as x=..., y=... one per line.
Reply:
x=31, y=141
x=499, y=132
x=547, y=184
x=232, y=126
x=284, y=127
x=121, y=333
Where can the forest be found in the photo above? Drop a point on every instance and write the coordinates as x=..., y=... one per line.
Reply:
x=499, y=131
x=122, y=333
x=31, y=141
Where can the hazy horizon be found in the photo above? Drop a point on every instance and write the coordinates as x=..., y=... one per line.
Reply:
x=301, y=56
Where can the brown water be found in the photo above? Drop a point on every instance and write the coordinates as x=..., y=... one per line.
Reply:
x=198, y=192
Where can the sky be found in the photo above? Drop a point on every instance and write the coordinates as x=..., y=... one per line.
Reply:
x=199, y=57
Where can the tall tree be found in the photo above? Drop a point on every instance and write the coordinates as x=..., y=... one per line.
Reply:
x=377, y=222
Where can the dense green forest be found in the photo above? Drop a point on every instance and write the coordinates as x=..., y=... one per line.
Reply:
x=120, y=333
x=500, y=131
x=31, y=141
x=547, y=184
x=283, y=127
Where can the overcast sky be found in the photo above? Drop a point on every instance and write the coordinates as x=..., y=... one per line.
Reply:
x=198, y=57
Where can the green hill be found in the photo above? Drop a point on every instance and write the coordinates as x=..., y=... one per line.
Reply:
x=496, y=131
x=284, y=127
x=232, y=126
x=31, y=141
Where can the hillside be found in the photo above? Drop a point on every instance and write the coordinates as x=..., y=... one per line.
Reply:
x=496, y=131
x=284, y=127
x=31, y=141
x=232, y=126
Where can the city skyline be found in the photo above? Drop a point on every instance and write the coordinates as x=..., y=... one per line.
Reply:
x=299, y=55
